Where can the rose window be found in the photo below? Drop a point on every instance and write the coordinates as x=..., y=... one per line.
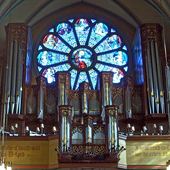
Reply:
x=84, y=47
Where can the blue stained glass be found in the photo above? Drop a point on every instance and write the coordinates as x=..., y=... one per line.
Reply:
x=124, y=47
x=98, y=32
x=52, y=42
x=66, y=32
x=93, y=76
x=49, y=74
x=117, y=58
x=40, y=47
x=110, y=43
x=82, y=29
x=117, y=73
x=93, y=20
x=125, y=68
x=112, y=30
x=68, y=44
x=71, y=20
x=39, y=68
x=47, y=58
x=73, y=77
x=82, y=78
x=51, y=30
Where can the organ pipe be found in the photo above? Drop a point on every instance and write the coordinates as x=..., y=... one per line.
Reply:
x=150, y=79
x=15, y=57
x=18, y=81
x=160, y=82
x=84, y=103
x=155, y=81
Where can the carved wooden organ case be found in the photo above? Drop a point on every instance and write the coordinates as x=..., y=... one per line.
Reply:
x=87, y=120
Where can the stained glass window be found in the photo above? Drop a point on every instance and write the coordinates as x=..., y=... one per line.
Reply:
x=84, y=47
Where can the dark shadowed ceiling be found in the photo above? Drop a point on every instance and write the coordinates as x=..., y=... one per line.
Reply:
x=125, y=13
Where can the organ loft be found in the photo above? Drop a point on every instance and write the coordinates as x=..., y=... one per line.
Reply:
x=88, y=105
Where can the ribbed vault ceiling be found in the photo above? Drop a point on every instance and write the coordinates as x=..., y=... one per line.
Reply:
x=130, y=12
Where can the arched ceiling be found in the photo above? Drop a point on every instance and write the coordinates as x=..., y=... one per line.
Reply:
x=131, y=13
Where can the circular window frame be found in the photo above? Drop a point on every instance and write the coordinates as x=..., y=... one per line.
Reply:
x=65, y=19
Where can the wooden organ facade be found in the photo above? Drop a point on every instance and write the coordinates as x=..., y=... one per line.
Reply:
x=88, y=121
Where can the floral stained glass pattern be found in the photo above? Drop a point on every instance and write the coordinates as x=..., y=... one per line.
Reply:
x=84, y=47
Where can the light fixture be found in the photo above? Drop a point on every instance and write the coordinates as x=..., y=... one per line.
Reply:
x=128, y=128
x=42, y=127
x=154, y=129
x=168, y=165
x=161, y=129
x=144, y=129
x=54, y=130
x=5, y=166
x=133, y=129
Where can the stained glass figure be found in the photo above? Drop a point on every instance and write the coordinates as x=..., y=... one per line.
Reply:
x=66, y=32
x=110, y=43
x=98, y=32
x=52, y=42
x=82, y=29
x=82, y=58
x=118, y=58
x=84, y=47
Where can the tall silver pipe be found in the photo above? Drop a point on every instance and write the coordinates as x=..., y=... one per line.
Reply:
x=107, y=93
x=84, y=103
x=41, y=104
x=148, y=88
x=110, y=95
x=9, y=63
x=62, y=133
x=104, y=94
x=160, y=80
x=18, y=79
x=66, y=97
x=156, y=93
x=65, y=132
x=128, y=102
x=16, y=46
x=150, y=79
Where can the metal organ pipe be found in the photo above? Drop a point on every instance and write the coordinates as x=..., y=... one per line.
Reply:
x=18, y=82
x=62, y=133
x=160, y=80
x=148, y=88
x=15, y=57
x=156, y=93
x=107, y=93
x=128, y=102
x=65, y=132
x=41, y=103
x=110, y=96
x=150, y=79
x=84, y=103
x=9, y=75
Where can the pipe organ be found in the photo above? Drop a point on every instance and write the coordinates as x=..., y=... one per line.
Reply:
x=151, y=35
x=128, y=96
x=87, y=121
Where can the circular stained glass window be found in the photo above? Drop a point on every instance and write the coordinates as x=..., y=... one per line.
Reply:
x=84, y=47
